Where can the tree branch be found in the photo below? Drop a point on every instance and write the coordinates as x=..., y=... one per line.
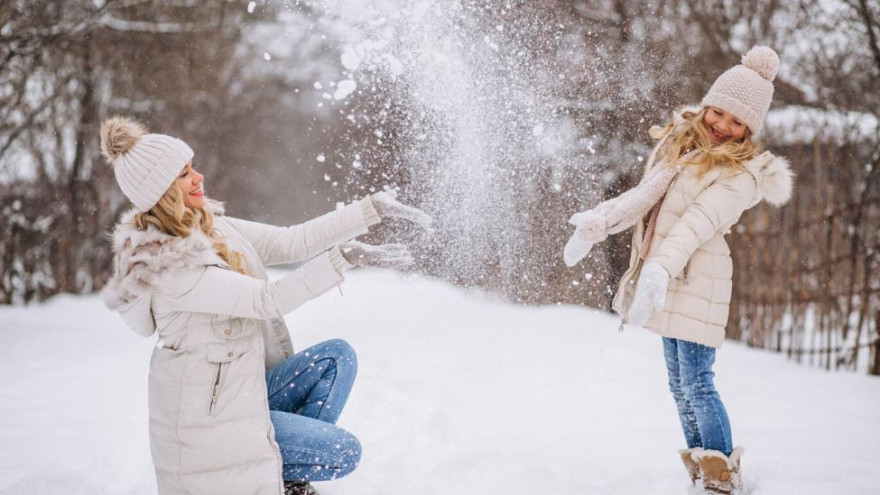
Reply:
x=869, y=26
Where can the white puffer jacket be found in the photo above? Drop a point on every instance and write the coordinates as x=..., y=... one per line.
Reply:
x=218, y=330
x=696, y=213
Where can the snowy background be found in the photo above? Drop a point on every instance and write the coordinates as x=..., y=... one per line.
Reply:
x=500, y=118
x=457, y=392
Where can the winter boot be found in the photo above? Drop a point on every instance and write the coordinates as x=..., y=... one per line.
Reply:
x=299, y=488
x=721, y=474
x=690, y=464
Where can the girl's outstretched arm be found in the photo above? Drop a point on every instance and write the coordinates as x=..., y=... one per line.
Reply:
x=617, y=214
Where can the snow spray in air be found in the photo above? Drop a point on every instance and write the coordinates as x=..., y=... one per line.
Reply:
x=477, y=139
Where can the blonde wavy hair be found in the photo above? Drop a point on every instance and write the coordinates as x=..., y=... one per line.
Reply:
x=694, y=135
x=171, y=216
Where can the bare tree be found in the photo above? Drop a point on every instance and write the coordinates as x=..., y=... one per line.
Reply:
x=185, y=68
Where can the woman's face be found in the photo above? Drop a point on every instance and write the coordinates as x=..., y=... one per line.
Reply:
x=723, y=126
x=190, y=183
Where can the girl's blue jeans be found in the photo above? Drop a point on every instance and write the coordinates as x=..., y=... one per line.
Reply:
x=307, y=392
x=703, y=417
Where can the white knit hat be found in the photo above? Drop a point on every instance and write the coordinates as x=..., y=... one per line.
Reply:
x=145, y=165
x=745, y=91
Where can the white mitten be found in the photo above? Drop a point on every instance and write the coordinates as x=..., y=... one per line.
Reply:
x=386, y=205
x=650, y=293
x=589, y=229
x=381, y=256
x=575, y=250
x=590, y=226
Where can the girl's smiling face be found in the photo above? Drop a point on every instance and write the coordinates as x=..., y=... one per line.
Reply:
x=723, y=126
x=190, y=183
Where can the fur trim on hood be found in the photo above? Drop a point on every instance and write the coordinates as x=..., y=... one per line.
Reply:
x=142, y=257
x=774, y=177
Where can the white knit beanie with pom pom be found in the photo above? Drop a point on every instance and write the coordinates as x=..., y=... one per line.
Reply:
x=746, y=90
x=145, y=164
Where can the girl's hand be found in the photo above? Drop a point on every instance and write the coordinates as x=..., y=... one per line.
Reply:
x=650, y=293
x=590, y=226
x=381, y=256
x=590, y=229
x=576, y=250
x=387, y=206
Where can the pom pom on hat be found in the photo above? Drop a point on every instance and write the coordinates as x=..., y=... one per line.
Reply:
x=763, y=60
x=118, y=136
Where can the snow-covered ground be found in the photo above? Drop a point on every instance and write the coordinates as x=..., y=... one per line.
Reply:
x=457, y=392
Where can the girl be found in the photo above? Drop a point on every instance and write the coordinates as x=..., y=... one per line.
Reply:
x=232, y=408
x=704, y=172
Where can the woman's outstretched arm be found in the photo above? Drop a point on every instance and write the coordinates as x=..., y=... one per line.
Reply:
x=219, y=290
x=276, y=245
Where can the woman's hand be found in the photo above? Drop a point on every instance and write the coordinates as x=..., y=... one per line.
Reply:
x=381, y=256
x=387, y=206
x=650, y=293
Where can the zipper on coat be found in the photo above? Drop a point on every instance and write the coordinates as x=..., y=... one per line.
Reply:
x=687, y=273
x=215, y=389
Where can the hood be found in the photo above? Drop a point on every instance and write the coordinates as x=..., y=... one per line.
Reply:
x=140, y=258
x=774, y=177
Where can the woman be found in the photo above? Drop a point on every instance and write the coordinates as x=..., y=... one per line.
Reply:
x=704, y=172
x=232, y=408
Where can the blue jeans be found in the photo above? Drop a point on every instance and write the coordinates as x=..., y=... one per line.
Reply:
x=307, y=392
x=703, y=417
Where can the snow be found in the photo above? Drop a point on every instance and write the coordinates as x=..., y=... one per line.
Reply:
x=344, y=88
x=458, y=392
x=350, y=59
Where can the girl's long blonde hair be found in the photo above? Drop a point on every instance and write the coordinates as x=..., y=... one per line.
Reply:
x=171, y=216
x=694, y=135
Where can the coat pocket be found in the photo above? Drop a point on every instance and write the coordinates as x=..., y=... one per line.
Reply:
x=228, y=328
x=222, y=355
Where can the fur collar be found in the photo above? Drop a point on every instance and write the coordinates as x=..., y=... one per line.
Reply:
x=774, y=177
x=142, y=257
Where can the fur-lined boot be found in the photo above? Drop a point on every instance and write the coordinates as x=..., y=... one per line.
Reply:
x=693, y=469
x=721, y=474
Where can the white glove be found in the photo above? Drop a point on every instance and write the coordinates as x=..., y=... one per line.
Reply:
x=387, y=206
x=381, y=256
x=650, y=293
x=589, y=229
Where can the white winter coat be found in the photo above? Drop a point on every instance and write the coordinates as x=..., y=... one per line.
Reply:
x=696, y=213
x=218, y=330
